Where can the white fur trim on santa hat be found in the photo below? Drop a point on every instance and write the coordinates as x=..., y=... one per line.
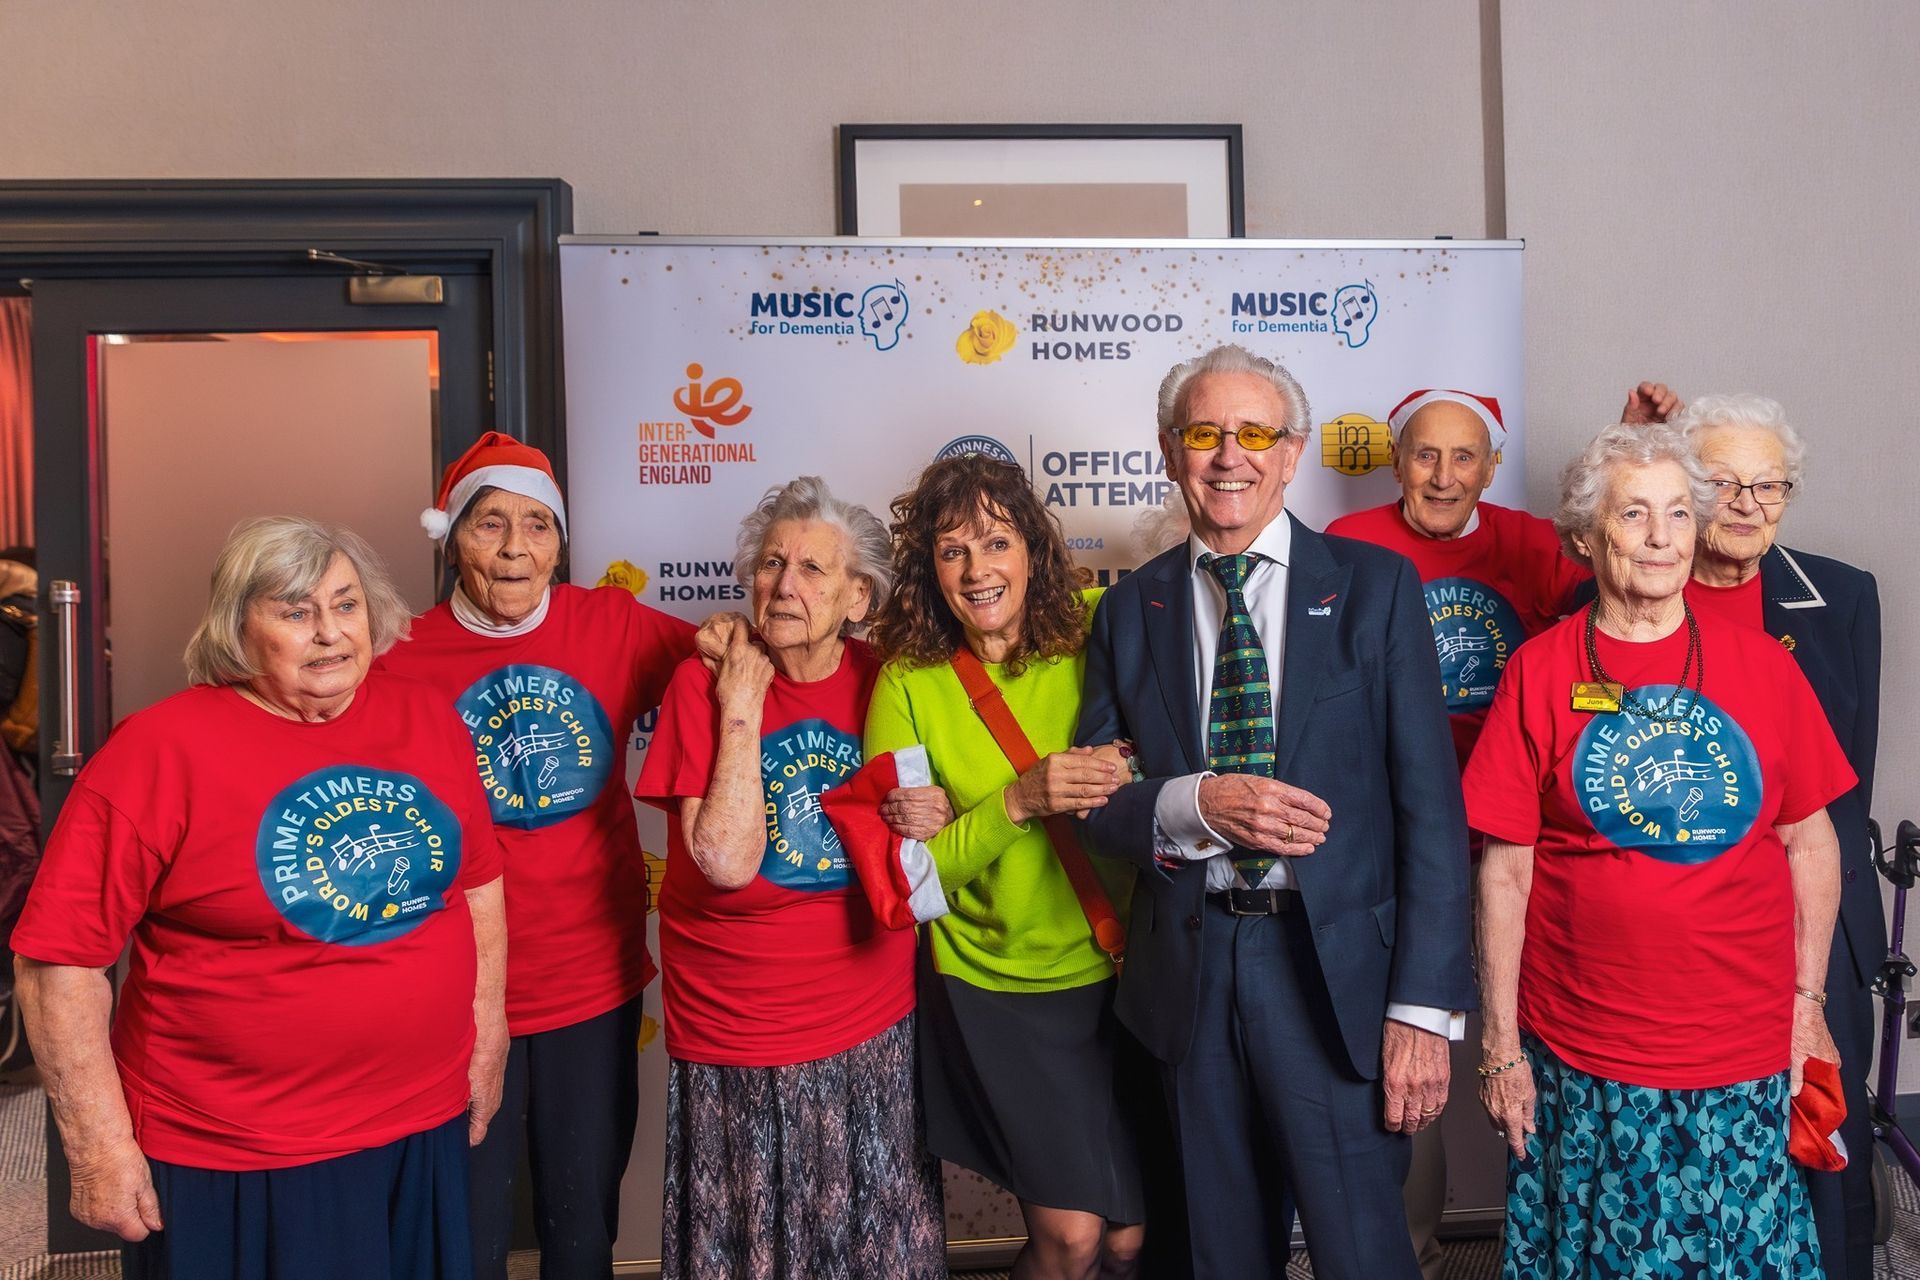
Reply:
x=528, y=482
x=1404, y=411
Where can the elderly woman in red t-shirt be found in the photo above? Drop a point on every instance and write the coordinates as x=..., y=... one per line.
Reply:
x=1656, y=902
x=794, y=1132
x=311, y=1030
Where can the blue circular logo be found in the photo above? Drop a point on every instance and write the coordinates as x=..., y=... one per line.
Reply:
x=798, y=764
x=543, y=746
x=357, y=855
x=1684, y=792
x=985, y=446
x=1475, y=631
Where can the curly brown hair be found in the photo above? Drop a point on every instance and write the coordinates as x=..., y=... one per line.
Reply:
x=916, y=623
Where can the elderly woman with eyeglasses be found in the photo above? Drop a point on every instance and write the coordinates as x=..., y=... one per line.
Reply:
x=311, y=1031
x=1656, y=903
x=1827, y=614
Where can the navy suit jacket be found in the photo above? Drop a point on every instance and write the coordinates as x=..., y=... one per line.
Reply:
x=1361, y=724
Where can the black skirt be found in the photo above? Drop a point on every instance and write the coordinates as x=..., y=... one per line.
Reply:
x=1022, y=1088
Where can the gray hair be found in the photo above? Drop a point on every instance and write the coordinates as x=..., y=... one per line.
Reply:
x=1583, y=485
x=808, y=498
x=284, y=558
x=1746, y=410
x=1234, y=359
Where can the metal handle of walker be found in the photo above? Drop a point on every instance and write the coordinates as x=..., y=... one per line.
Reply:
x=65, y=598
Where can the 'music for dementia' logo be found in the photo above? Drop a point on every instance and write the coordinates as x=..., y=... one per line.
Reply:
x=1684, y=791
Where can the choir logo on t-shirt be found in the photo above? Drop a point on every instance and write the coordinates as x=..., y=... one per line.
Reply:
x=1475, y=631
x=799, y=764
x=1683, y=792
x=542, y=743
x=356, y=855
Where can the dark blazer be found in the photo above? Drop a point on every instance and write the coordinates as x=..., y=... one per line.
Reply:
x=1361, y=724
x=1831, y=612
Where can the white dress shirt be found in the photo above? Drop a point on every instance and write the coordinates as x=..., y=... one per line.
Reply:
x=1179, y=829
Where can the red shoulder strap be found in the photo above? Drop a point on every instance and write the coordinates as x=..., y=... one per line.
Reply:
x=991, y=706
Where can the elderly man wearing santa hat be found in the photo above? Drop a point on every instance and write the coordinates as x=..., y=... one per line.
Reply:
x=1493, y=576
x=549, y=679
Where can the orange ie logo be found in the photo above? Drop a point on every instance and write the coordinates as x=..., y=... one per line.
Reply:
x=715, y=404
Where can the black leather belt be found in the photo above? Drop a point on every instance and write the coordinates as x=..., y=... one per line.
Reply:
x=1256, y=902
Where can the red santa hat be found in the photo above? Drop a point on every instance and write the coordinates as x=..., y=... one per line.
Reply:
x=497, y=461
x=1813, y=1123
x=897, y=874
x=1486, y=408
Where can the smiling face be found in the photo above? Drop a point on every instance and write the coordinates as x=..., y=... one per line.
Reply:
x=506, y=549
x=983, y=569
x=1642, y=541
x=310, y=653
x=1232, y=493
x=804, y=588
x=1742, y=529
x=1444, y=462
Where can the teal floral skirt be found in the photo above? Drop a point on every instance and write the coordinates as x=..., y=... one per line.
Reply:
x=1667, y=1184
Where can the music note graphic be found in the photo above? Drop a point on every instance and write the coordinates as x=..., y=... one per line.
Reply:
x=1652, y=777
x=521, y=747
x=351, y=854
x=1460, y=642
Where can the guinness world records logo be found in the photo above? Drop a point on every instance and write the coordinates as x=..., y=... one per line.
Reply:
x=1682, y=792
x=985, y=446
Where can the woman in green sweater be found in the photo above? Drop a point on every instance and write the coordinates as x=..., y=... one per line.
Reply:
x=1017, y=1035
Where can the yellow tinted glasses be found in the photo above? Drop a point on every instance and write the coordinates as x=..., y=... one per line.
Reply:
x=1253, y=436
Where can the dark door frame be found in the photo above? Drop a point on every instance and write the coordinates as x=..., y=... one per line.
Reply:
x=510, y=227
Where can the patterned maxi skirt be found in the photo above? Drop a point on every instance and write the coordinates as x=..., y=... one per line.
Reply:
x=1668, y=1184
x=817, y=1171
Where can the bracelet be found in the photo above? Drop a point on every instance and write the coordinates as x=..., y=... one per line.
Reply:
x=1487, y=1073
x=1818, y=997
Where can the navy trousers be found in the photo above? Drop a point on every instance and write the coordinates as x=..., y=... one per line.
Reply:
x=1269, y=1118
x=397, y=1212
x=572, y=1096
x=1843, y=1201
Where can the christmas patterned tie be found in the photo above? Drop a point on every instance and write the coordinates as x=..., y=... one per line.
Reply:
x=1240, y=712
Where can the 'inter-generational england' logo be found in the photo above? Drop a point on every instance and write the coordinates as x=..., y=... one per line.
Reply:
x=357, y=855
x=798, y=764
x=541, y=741
x=1683, y=792
x=1475, y=631
x=713, y=404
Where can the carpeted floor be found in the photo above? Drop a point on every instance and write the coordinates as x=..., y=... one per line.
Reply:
x=23, y=1228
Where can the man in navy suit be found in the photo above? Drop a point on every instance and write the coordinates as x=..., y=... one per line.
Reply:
x=1297, y=958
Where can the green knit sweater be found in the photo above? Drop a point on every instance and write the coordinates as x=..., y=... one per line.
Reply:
x=1014, y=923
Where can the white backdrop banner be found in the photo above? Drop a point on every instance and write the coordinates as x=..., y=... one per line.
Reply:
x=701, y=372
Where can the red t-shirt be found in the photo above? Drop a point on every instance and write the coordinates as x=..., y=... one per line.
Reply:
x=302, y=972
x=1487, y=591
x=551, y=713
x=1744, y=604
x=1659, y=947
x=793, y=967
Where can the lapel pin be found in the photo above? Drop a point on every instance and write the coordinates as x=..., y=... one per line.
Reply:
x=1789, y=642
x=1330, y=599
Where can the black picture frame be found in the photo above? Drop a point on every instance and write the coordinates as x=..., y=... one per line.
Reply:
x=852, y=135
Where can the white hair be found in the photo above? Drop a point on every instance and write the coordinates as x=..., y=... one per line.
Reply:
x=1746, y=410
x=808, y=498
x=1234, y=359
x=1584, y=483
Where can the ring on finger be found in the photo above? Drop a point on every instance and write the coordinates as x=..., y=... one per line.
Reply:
x=1289, y=833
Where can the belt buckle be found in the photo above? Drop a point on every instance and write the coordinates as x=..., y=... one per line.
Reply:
x=1269, y=900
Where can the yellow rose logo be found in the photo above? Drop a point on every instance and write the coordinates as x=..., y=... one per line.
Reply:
x=389, y=911
x=989, y=337
x=626, y=575
x=649, y=1031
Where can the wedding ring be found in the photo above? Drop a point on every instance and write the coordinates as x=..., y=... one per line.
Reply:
x=1431, y=1111
x=1289, y=833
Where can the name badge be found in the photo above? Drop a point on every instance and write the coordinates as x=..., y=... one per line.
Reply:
x=1597, y=695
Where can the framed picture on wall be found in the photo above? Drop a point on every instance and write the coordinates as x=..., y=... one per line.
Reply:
x=980, y=181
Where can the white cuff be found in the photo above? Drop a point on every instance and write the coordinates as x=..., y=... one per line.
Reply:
x=1178, y=829
x=1441, y=1022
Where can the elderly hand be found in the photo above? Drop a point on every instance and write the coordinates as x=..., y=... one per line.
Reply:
x=1263, y=814
x=918, y=813
x=1509, y=1099
x=113, y=1191
x=1811, y=1039
x=486, y=1076
x=716, y=633
x=745, y=675
x=1650, y=402
x=1415, y=1069
x=1065, y=782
